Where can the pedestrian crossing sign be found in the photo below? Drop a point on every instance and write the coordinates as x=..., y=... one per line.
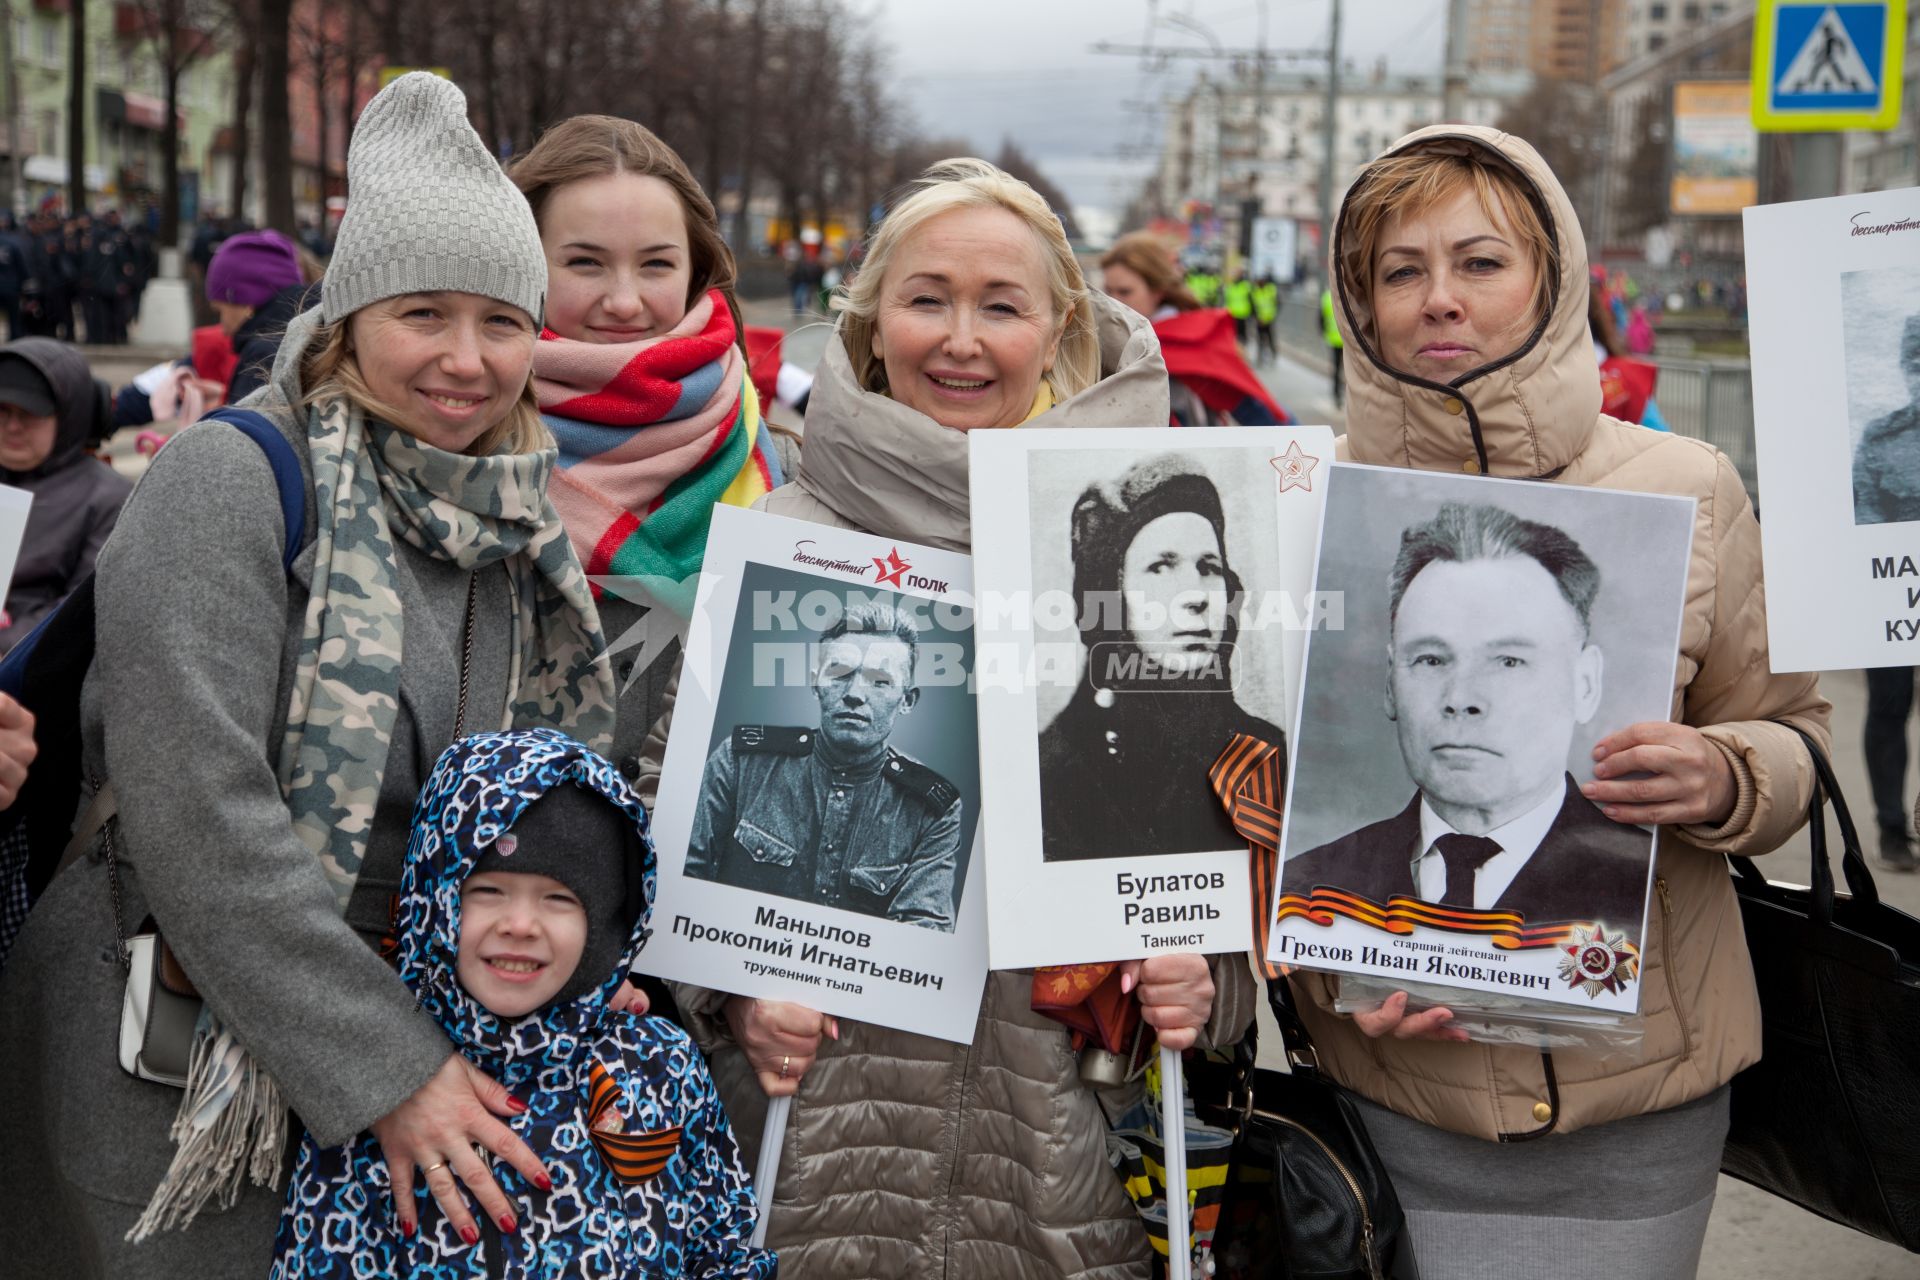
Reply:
x=1827, y=64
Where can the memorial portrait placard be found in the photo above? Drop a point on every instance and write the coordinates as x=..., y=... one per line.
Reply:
x=1833, y=290
x=818, y=822
x=1493, y=632
x=1143, y=597
x=14, y=505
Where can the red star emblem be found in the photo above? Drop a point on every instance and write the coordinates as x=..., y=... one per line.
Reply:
x=1295, y=468
x=890, y=568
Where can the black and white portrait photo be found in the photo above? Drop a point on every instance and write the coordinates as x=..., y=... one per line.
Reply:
x=1881, y=311
x=1493, y=632
x=1155, y=551
x=841, y=770
x=1834, y=332
x=1143, y=597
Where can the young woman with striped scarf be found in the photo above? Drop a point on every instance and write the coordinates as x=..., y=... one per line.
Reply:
x=642, y=377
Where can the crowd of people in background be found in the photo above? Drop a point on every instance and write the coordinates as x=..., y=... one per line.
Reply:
x=78, y=278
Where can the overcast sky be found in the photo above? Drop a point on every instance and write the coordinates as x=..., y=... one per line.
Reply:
x=988, y=69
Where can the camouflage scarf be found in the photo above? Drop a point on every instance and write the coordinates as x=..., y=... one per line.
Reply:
x=370, y=484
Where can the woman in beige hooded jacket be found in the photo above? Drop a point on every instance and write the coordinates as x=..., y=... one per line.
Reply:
x=1461, y=290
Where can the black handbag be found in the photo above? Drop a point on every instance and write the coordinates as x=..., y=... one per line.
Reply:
x=1829, y=1118
x=1307, y=1197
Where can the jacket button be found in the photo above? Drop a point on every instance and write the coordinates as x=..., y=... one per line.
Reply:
x=1471, y=466
x=1542, y=1112
x=630, y=768
x=1452, y=406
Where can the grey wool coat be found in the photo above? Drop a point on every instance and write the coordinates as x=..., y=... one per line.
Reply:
x=183, y=709
x=906, y=1155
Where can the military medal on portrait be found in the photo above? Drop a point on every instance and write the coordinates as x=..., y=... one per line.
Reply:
x=1143, y=601
x=819, y=810
x=1436, y=835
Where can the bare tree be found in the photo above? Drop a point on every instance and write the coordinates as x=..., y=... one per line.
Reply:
x=244, y=19
x=177, y=34
x=77, y=108
x=323, y=49
x=1565, y=121
x=276, y=123
x=806, y=114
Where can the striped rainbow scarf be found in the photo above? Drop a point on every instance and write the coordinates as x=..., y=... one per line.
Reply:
x=652, y=434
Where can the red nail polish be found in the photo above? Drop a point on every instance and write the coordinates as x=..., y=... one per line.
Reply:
x=470, y=1233
x=515, y=1103
x=407, y=1228
x=507, y=1224
x=543, y=1182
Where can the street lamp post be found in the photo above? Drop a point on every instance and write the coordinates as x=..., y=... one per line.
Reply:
x=1330, y=134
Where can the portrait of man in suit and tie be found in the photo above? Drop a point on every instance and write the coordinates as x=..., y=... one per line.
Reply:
x=1492, y=672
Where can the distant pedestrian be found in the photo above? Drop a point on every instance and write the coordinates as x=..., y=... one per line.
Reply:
x=1211, y=383
x=256, y=286
x=1240, y=307
x=1336, y=347
x=51, y=411
x=1266, y=315
x=1889, y=704
x=13, y=273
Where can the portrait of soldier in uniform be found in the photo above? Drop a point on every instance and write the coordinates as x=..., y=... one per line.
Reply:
x=1886, y=461
x=1491, y=671
x=1157, y=598
x=831, y=813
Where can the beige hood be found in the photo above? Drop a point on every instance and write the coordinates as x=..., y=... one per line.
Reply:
x=1529, y=414
x=893, y=471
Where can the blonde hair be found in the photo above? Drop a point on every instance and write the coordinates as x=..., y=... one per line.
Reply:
x=1152, y=259
x=328, y=368
x=967, y=183
x=1414, y=181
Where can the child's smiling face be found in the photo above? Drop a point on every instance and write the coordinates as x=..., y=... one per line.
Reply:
x=521, y=936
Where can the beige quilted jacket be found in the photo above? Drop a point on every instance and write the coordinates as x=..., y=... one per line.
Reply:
x=1539, y=417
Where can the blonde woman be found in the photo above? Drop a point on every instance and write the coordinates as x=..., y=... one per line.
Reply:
x=908, y=1156
x=265, y=733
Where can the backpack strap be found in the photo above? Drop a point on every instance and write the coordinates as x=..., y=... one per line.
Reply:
x=286, y=471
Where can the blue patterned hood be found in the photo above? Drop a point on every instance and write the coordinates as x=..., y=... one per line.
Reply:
x=477, y=791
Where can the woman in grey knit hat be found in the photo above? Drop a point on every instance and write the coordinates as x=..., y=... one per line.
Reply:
x=264, y=733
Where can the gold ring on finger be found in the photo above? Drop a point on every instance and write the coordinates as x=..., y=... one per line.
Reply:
x=786, y=1060
x=437, y=1164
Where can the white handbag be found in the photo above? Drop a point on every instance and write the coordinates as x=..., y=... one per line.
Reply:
x=156, y=1024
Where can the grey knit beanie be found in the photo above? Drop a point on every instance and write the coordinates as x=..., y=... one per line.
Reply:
x=428, y=209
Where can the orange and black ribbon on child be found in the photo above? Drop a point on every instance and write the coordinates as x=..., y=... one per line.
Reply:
x=633, y=1157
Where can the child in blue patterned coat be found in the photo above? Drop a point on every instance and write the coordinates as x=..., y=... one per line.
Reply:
x=527, y=889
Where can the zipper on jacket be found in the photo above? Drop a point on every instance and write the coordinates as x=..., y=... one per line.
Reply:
x=1666, y=962
x=1353, y=1186
x=948, y=1208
